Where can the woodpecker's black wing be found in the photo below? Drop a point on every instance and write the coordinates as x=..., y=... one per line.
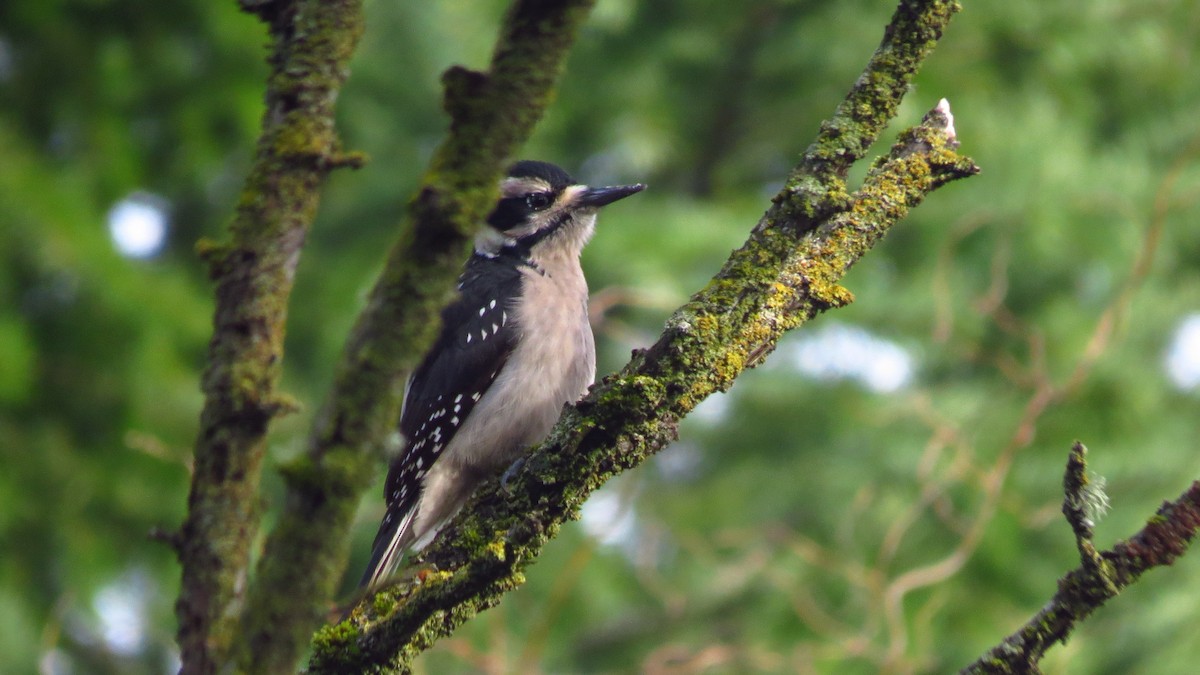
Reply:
x=476, y=340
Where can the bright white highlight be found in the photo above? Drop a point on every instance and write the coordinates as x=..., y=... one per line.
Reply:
x=608, y=520
x=138, y=225
x=679, y=462
x=1182, y=361
x=712, y=410
x=839, y=352
x=121, y=607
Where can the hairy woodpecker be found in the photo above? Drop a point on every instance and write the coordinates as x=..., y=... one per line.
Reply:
x=514, y=347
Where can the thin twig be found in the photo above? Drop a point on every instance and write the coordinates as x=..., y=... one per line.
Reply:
x=1100, y=575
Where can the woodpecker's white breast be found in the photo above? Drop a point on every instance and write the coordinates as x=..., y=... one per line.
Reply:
x=553, y=364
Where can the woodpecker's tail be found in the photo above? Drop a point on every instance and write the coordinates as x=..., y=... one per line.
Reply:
x=393, y=539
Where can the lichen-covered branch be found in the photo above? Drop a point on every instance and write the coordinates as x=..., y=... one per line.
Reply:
x=817, y=186
x=491, y=114
x=784, y=275
x=312, y=44
x=1100, y=576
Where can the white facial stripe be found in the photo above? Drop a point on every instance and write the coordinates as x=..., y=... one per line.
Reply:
x=489, y=241
x=516, y=187
x=570, y=194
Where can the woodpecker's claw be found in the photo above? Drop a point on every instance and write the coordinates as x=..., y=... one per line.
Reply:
x=510, y=473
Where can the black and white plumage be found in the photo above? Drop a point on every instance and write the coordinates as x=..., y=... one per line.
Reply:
x=514, y=347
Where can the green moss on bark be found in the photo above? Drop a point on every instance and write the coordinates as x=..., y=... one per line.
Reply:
x=253, y=274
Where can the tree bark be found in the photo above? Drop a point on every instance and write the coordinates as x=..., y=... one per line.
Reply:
x=312, y=44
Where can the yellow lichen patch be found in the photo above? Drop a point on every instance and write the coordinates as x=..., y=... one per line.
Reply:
x=771, y=323
x=433, y=577
x=706, y=324
x=496, y=548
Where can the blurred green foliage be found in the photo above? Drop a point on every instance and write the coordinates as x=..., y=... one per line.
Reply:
x=809, y=520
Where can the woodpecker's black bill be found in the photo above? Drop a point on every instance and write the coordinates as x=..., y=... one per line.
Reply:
x=602, y=196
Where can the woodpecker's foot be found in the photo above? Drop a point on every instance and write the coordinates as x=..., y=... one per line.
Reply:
x=510, y=473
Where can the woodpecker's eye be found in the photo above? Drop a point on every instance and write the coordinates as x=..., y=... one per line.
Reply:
x=537, y=201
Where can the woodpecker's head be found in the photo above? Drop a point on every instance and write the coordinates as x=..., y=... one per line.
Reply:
x=542, y=209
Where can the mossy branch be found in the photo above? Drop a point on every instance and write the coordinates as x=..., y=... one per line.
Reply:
x=1100, y=575
x=785, y=274
x=311, y=45
x=491, y=114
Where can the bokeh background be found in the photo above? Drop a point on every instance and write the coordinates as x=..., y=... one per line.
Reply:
x=882, y=496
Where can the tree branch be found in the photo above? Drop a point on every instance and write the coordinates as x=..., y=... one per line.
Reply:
x=491, y=116
x=1100, y=576
x=312, y=43
x=784, y=275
